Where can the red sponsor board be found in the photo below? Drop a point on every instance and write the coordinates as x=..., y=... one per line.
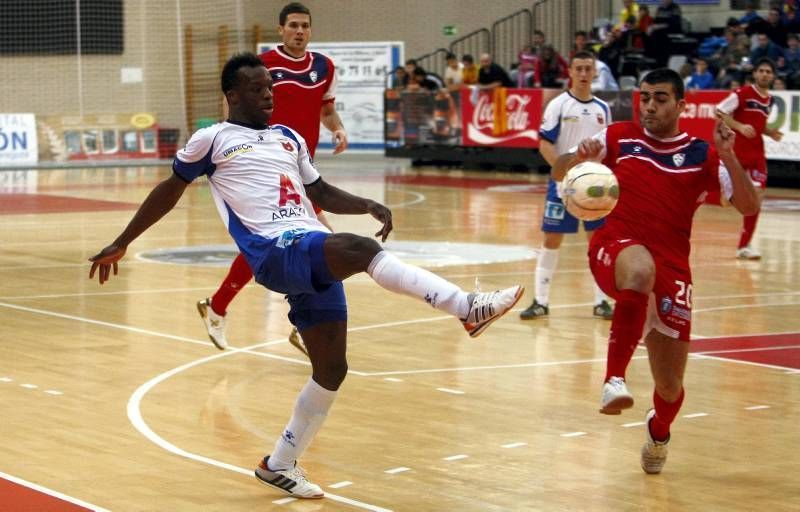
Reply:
x=698, y=119
x=523, y=117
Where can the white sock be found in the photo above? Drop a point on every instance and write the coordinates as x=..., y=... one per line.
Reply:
x=545, y=268
x=399, y=277
x=599, y=296
x=310, y=411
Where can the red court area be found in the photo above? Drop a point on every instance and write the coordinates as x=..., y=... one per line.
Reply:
x=19, y=498
x=782, y=350
x=11, y=204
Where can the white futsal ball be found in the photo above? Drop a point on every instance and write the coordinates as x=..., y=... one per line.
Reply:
x=590, y=191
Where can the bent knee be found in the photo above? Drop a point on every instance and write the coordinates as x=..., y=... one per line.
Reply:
x=670, y=390
x=331, y=375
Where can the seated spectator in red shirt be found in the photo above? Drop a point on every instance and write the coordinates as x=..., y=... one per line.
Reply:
x=551, y=69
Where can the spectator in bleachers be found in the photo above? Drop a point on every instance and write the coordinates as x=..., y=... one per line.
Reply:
x=580, y=43
x=629, y=8
x=750, y=15
x=791, y=61
x=775, y=28
x=792, y=19
x=765, y=48
x=645, y=19
x=400, y=78
x=469, y=71
x=666, y=21
x=538, y=41
x=491, y=75
x=702, y=78
x=735, y=48
x=522, y=75
x=779, y=84
x=552, y=71
x=730, y=71
x=603, y=78
x=611, y=51
x=453, y=75
x=422, y=80
x=734, y=84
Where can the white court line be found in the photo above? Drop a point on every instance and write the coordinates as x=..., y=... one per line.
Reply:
x=6, y=379
x=135, y=417
x=28, y=386
x=756, y=407
x=137, y=330
x=574, y=434
x=54, y=392
x=456, y=457
x=392, y=379
x=451, y=391
x=339, y=485
x=698, y=355
x=513, y=445
x=394, y=471
x=633, y=424
x=284, y=501
x=51, y=492
x=695, y=415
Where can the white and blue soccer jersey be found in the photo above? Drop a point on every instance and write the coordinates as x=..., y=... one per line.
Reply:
x=257, y=178
x=568, y=120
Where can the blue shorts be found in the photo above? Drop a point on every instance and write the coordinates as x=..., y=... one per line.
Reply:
x=557, y=219
x=294, y=264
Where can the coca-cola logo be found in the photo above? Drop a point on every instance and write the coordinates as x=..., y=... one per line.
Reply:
x=516, y=112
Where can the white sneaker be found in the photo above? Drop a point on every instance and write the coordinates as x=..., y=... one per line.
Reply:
x=654, y=453
x=615, y=396
x=748, y=253
x=486, y=307
x=215, y=324
x=296, y=340
x=291, y=481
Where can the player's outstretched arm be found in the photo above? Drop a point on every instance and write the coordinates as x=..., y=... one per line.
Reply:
x=588, y=149
x=745, y=197
x=335, y=200
x=159, y=202
x=745, y=129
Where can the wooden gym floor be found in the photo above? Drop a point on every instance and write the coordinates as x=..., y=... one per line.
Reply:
x=112, y=397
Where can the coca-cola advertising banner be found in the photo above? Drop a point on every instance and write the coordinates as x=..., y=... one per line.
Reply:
x=699, y=119
x=484, y=123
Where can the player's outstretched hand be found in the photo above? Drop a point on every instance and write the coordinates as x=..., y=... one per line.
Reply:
x=723, y=137
x=340, y=141
x=589, y=149
x=384, y=215
x=776, y=135
x=105, y=260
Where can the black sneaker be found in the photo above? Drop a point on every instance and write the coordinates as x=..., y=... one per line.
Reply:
x=535, y=310
x=603, y=310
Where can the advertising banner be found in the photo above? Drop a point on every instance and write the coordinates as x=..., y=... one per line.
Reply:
x=501, y=117
x=361, y=70
x=18, y=141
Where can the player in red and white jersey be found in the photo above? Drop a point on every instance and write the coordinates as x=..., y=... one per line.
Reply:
x=746, y=110
x=640, y=256
x=304, y=90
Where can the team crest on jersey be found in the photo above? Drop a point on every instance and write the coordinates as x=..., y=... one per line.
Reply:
x=666, y=305
x=678, y=158
x=236, y=150
x=313, y=76
x=287, y=145
x=278, y=75
x=601, y=119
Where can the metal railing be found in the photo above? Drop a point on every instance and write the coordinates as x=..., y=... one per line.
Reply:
x=509, y=35
x=474, y=43
x=434, y=61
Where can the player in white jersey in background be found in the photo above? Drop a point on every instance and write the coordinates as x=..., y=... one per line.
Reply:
x=569, y=118
x=263, y=181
